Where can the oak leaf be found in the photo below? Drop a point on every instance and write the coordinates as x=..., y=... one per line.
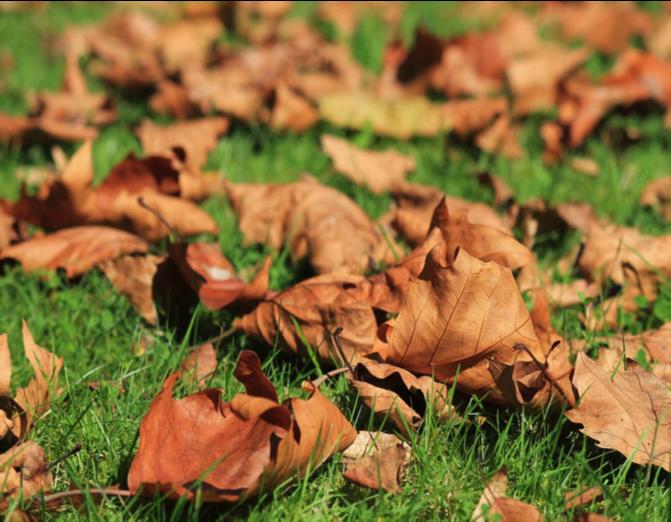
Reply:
x=495, y=504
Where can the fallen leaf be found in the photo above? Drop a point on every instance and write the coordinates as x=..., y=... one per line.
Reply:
x=23, y=471
x=75, y=250
x=199, y=365
x=630, y=413
x=317, y=221
x=378, y=171
x=196, y=137
x=236, y=448
x=494, y=504
x=585, y=166
x=376, y=460
x=657, y=194
x=417, y=203
x=569, y=294
x=457, y=317
x=292, y=111
x=582, y=497
x=394, y=393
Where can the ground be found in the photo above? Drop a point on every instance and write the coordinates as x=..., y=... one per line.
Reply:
x=103, y=340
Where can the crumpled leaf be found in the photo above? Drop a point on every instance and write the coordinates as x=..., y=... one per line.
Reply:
x=630, y=413
x=378, y=171
x=395, y=393
x=457, y=317
x=656, y=344
x=376, y=460
x=23, y=471
x=75, y=250
x=494, y=503
x=417, y=203
x=318, y=222
x=71, y=199
x=305, y=316
x=233, y=449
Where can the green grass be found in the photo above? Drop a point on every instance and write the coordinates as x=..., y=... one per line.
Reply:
x=103, y=340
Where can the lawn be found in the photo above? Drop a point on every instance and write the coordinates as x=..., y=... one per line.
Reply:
x=115, y=363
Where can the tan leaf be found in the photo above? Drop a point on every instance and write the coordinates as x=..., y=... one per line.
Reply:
x=378, y=171
x=569, y=294
x=233, y=449
x=657, y=194
x=582, y=497
x=199, y=365
x=376, y=460
x=75, y=250
x=502, y=137
x=630, y=413
x=196, y=137
x=318, y=221
x=23, y=471
x=292, y=111
x=133, y=276
x=5, y=368
x=459, y=316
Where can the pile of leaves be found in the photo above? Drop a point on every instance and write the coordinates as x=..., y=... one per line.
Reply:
x=440, y=295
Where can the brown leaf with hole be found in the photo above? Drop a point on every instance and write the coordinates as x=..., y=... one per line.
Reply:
x=230, y=450
x=630, y=413
x=318, y=222
x=495, y=505
x=75, y=250
x=457, y=317
x=376, y=460
x=23, y=471
x=309, y=312
x=380, y=171
x=394, y=393
x=417, y=203
x=196, y=137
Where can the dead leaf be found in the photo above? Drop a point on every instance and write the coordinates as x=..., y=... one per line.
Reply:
x=378, y=171
x=394, y=393
x=585, y=166
x=376, y=460
x=236, y=448
x=630, y=413
x=195, y=137
x=582, y=497
x=317, y=221
x=657, y=194
x=569, y=294
x=494, y=501
x=199, y=365
x=75, y=250
x=457, y=317
x=292, y=111
x=23, y=471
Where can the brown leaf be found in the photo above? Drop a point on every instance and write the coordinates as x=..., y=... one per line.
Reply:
x=75, y=250
x=233, y=448
x=199, y=365
x=482, y=241
x=494, y=501
x=133, y=276
x=582, y=497
x=320, y=223
x=292, y=111
x=23, y=471
x=378, y=171
x=456, y=318
x=584, y=165
x=569, y=294
x=417, y=203
x=630, y=413
x=376, y=460
x=305, y=316
x=196, y=137
x=394, y=393
x=656, y=344
x=657, y=194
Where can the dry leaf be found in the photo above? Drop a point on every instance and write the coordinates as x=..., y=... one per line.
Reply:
x=394, y=393
x=376, y=460
x=657, y=194
x=23, y=471
x=318, y=222
x=75, y=250
x=582, y=497
x=495, y=505
x=456, y=318
x=630, y=413
x=231, y=450
x=378, y=171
